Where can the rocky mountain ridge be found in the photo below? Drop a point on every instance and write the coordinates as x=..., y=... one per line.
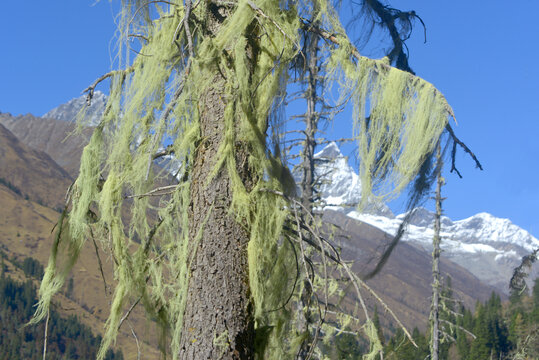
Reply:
x=32, y=174
x=56, y=138
x=488, y=246
x=71, y=109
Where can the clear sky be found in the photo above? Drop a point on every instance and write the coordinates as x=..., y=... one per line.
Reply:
x=481, y=55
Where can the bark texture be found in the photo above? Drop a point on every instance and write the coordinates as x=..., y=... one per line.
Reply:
x=218, y=304
x=311, y=123
x=218, y=321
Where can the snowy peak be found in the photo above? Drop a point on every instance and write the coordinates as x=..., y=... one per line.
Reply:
x=69, y=111
x=340, y=185
x=487, y=228
x=424, y=218
x=480, y=228
x=330, y=152
x=488, y=246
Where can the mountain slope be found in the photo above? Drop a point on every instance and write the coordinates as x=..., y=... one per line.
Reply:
x=52, y=136
x=26, y=231
x=33, y=172
x=405, y=281
x=31, y=186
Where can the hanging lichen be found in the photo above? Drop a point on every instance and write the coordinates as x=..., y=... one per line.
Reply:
x=154, y=105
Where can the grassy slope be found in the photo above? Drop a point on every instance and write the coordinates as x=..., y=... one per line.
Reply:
x=25, y=230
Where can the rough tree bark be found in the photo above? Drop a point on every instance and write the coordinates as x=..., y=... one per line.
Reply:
x=218, y=321
x=218, y=294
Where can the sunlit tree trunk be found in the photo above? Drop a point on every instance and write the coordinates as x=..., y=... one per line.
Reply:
x=218, y=295
x=218, y=322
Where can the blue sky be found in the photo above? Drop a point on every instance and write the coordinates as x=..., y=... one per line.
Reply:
x=481, y=55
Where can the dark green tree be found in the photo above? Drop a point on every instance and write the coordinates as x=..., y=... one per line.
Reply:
x=67, y=338
x=490, y=330
x=400, y=348
x=535, y=298
x=464, y=339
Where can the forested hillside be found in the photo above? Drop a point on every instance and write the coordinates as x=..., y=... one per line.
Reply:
x=67, y=337
x=495, y=330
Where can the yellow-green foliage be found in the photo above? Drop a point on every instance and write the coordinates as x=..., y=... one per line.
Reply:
x=152, y=257
x=398, y=119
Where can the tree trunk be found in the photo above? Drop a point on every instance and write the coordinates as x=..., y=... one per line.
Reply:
x=308, y=180
x=311, y=123
x=218, y=294
x=435, y=307
x=218, y=321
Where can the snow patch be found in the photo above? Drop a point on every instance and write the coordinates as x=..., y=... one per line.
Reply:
x=69, y=111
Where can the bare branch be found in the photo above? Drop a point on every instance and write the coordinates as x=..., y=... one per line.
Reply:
x=90, y=89
x=155, y=192
x=138, y=36
x=139, y=353
x=128, y=312
x=187, y=29
x=456, y=142
x=167, y=151
x=148, y=3
x=447, y=335
x=356, y=281
x=99, y=260
x=46, y=335
x=459, y=327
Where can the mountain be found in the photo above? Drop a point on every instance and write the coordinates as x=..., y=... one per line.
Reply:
x=341, y=186
x=70, y=110
x=55, y=137
x=404, y=283
x=32, y=186
x=25, y=231
x=56, y=133
x=487, y=246
x=33, y=173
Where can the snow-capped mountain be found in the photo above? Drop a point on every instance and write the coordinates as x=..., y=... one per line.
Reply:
x=70, y=110
x=340, y=185
x=487, y=246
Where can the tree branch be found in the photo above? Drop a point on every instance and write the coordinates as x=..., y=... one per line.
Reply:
x=456, y=142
